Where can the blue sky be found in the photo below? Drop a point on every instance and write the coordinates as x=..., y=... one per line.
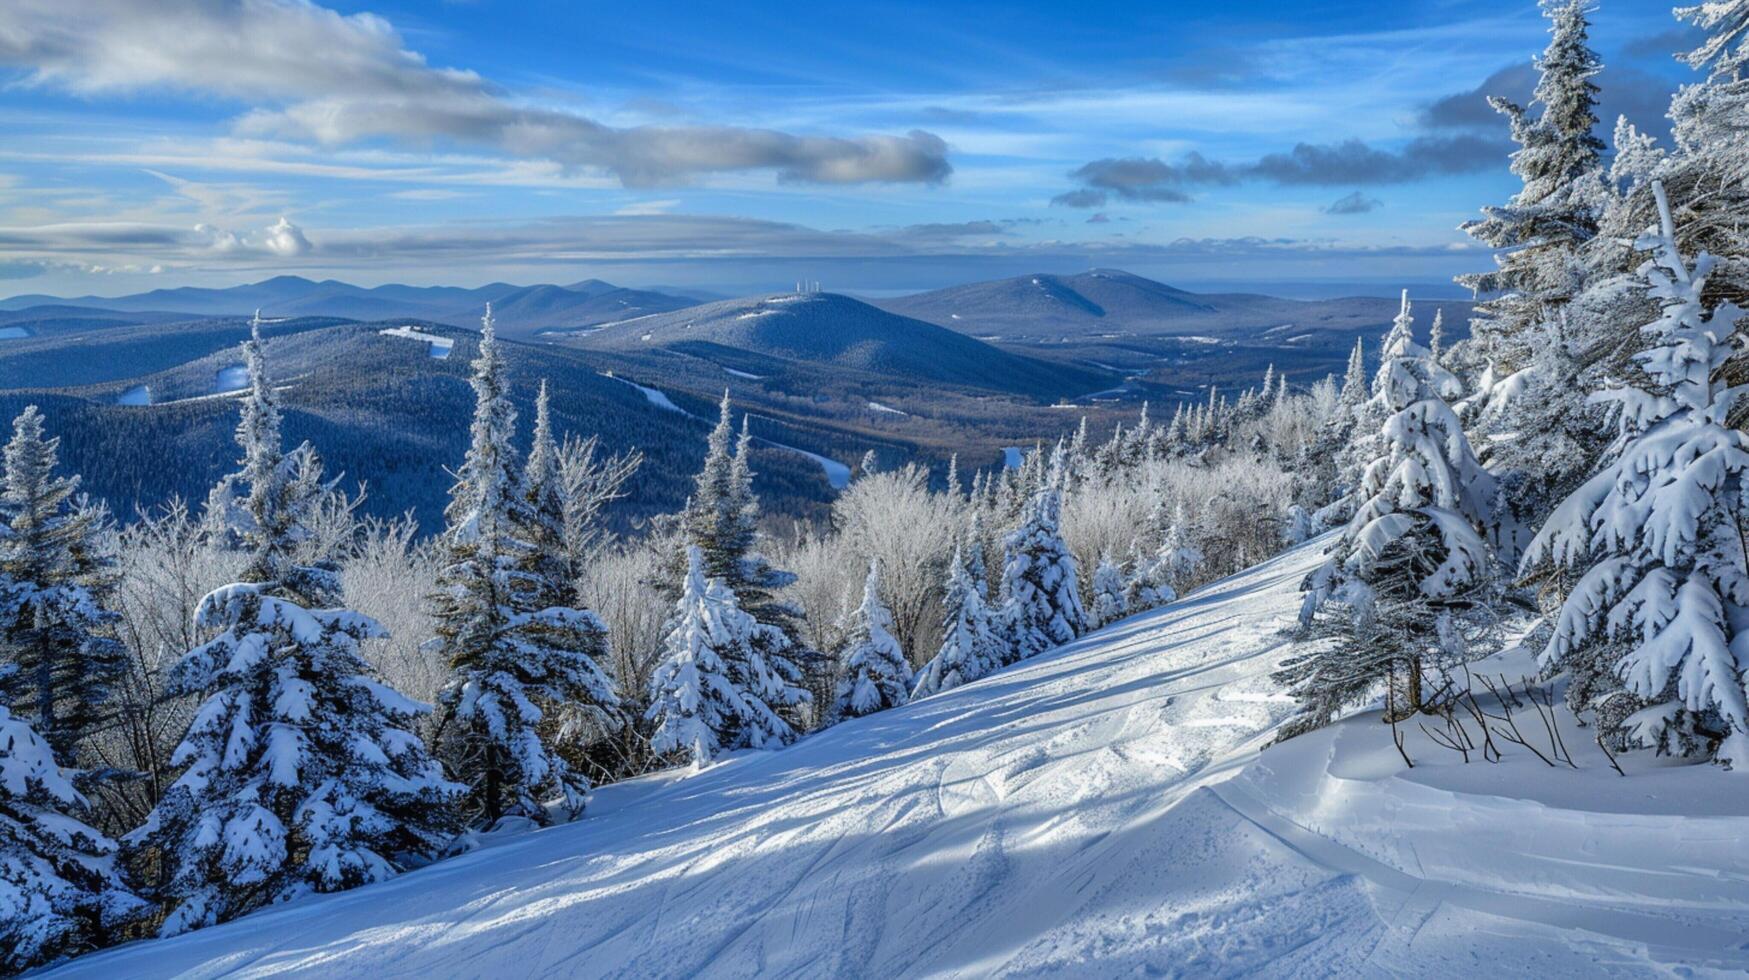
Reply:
x=874, y=146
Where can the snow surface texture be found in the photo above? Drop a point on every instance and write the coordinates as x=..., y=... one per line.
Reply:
x=1101, y=810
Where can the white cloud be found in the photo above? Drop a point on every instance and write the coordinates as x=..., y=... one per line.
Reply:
x=313, y=74
x=285, y=239
x=282, y=239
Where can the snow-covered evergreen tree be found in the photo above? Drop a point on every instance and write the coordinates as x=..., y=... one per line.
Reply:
x=1109, y=601
x=1707, y=176
x=268, y=505
x=55, y=629
x=976, y=569
x=60, y=894
x=1354, y=390
x=1538, y=233
x=300, y=772
x=555, y=616
x=1412, y=567
x=1147, y=586
x=515, y=661
x=700, y=700
x=721, y=519
x=969, y=646
x=543, y=486
x=873, y=673
x=1178, y=558
x=1654, y=630
x=1298, y=526
x=1041, y=597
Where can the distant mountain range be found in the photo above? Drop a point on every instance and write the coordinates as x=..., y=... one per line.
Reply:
x=520, y=310
x=1111, y=303
x=1019, y=310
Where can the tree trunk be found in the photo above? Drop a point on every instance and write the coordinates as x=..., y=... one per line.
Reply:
x=493, y=788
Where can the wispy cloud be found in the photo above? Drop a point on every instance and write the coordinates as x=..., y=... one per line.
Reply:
x=1355, y=203
x=1307, y=164
x=310, y=73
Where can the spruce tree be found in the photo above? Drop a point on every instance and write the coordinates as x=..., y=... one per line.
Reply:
x=721, y=520
x=1354, y=390
x=55, y=629
x=1707, y=176
x=266, y=507
x=543, y=487
x=1412, y=571
x=1178, y=558
x=549, y=601
x=515, y=661
x=1041, y=598
x=1109, y=602
x=712, y=692
x=976, y=569
x=299, y=770
x=1148, y=585
x=969, y=646
x=1538, y=234
x=1652, y=632
x=873, y=672
x=60, y=894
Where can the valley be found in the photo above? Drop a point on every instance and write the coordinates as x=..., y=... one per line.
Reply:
x=375, y=375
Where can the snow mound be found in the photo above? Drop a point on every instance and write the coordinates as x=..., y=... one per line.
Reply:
x=1105, y=809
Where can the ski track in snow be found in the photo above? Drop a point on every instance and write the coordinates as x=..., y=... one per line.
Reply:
x=1100, y=810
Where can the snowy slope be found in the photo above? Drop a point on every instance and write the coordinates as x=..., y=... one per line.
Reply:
x=1102, y=810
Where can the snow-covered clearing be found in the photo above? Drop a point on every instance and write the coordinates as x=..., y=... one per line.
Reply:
x=137, y=395
x=1105, y=809
x=13, y=333
x=878, y=407
x=440, y=346
x=653, y=396
x=744, y=374
x=837, y=474
x=229, y=379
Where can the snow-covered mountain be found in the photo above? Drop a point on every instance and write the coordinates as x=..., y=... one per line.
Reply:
x=828, y=328
x=1107, y=809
